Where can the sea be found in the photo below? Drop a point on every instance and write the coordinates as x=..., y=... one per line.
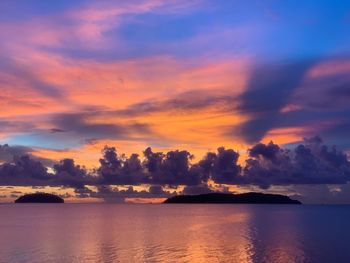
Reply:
x=174, y=233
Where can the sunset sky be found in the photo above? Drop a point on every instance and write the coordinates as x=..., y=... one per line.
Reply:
x=189, y=75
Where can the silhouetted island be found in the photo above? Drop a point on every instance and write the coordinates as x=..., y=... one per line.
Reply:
x=39, y=198
x=223, y=198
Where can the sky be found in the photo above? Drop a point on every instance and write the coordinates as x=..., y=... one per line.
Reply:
x=182, y=75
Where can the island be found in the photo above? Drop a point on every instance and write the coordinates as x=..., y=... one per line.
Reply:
x=225, y=198
x=39, y=198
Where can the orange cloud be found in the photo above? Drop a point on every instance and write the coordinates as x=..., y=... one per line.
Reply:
x=116, y=85
x=285, y=135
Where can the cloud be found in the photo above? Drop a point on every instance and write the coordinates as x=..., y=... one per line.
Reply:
x=77, y=123
x=8, y=126
x=183, y=102
x=156, y=190
x=24, y=171
x=114, y=194
x=268, y=165
x=119, y=170
x=82, y=54
x=80, y=128
x=28, y=170
x=54, y=130
x=83, y=192
x=9, y=153
x=27, y=77
x=69, y=174
x=311, y=95
x=268, y=90
x=308, y=163
x=221, y=167
x=172, y=168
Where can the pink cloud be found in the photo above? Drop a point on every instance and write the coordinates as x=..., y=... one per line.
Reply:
x=85, y=27
x=330, y=67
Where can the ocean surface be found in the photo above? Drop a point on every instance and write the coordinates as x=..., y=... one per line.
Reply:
x=174, y=233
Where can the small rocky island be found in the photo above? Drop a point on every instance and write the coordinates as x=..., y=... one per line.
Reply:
x=223, y=198
x=39, y=198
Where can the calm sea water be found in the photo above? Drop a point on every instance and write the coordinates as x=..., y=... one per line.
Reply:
x=174, y=233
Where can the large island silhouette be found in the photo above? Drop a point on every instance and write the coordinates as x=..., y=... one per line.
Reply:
x=224, y=198
x=39, y=198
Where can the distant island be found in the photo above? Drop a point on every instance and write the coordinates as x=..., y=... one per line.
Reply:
x=39, y=198
x=223, y=198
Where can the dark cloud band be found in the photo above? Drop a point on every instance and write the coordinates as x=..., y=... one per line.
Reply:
x=310, y=162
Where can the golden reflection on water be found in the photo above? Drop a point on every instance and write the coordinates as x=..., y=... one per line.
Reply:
x=165, y=233
x=205, y=240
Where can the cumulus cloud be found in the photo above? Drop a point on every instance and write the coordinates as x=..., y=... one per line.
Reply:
x=308, y=163
x=69, y=174
x=119, y=170
x=7, y=153
x=172, y=168
x=24, y=171
x=222, y=166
